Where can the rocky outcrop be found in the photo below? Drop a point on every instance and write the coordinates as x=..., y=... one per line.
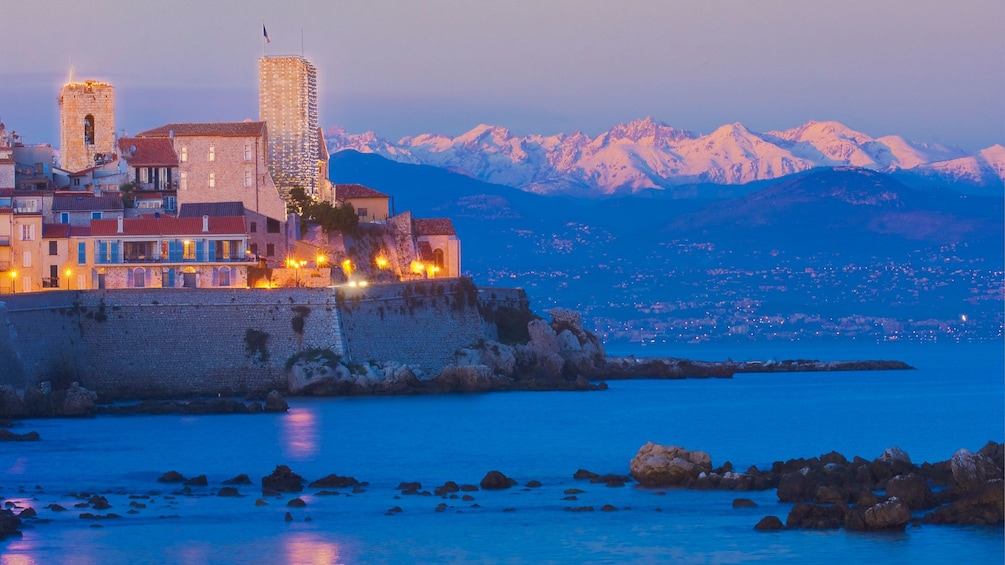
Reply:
x=661, y=465
x=892, y=515
x=971, y=470
x=274, y=402
x=912, y=490
x=9, y=524
x=11, y=404
x=282, y=479
x=982, y=505
x=495, y=480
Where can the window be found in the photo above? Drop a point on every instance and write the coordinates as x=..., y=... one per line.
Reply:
x=188, y=250
x=81, y=253
x=170, y=202
x=254, y=227
x=184, y=157
x=53, y=248
x=95, y=215
x=247, y=178
x=272, y=226
x=139, y=277
x=224, y=276
x=89, y=129
x=212, y=153
x=247, y=151
x=270, y=249
x=212, y=180
x=26, y=259
x=64, y=217
x=361, y=212
x=76, y=181
x=254, y=249
x=27, y=232
x=184, y=180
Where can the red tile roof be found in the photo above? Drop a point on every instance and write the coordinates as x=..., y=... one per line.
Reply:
x=222, y=129
x=434, y=226
x=55, y=231
x=148, y=152
x=166, y=225
x=343, y=191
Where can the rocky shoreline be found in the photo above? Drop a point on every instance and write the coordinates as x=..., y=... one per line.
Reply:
x=554, y=356
x=888, y=493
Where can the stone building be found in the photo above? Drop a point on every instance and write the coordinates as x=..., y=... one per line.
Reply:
x=439, y=247
x=223, y=162
x=86, y=124
x=288, y=102
x=370, y=205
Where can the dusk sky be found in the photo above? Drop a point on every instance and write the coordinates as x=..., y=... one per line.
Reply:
x=930, y=70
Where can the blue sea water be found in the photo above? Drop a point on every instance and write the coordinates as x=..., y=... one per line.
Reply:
x=955, y=398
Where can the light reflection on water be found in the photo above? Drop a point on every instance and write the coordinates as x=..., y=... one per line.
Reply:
x=18, y=552
x=300, y=433
x=310, y=549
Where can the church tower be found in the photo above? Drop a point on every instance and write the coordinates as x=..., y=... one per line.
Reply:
x=86, y=124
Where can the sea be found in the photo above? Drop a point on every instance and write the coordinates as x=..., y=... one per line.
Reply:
x=955, y=398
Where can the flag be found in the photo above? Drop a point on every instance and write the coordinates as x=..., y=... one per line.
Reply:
x=266, y=34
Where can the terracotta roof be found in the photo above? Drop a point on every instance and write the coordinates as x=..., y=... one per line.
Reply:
x=211, y=209
x=166, y=225
x=222, y=129
x=343, y=191
x=148, y=152
x=85, y=202
x=63, y=231
x=434, y=226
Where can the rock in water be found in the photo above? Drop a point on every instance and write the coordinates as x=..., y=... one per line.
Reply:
x=274, y=402
x=892, y=515
x=494, y=480
x=769, y=523
x=283, y=479
x=972, y=470
x=983, y=505
x=912, y=490
x=661, y=465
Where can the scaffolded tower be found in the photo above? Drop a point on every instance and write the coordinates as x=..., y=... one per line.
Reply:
x=288, y=103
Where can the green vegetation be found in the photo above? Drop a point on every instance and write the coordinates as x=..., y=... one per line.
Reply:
x=312, y=355
x=331, y=217
x=512, y=324
x=256, y=344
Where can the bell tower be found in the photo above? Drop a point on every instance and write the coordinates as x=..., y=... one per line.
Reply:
x=86, y=124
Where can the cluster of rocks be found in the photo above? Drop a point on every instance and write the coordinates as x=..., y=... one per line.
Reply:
x=36, y=402
x=675, y=368
x=273, y=402
x=832, y=492
x=560, y=355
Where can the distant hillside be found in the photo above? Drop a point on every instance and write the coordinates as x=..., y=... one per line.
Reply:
x=827, y=245
x=650, y=155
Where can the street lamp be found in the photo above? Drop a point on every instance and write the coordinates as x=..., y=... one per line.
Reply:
x=13, y=281
x=68, y=272
x=297, y=265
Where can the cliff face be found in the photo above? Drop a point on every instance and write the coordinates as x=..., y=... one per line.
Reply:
x=154, y=343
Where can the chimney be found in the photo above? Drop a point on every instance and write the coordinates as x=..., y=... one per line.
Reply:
x=205, y=224
x=120, y=225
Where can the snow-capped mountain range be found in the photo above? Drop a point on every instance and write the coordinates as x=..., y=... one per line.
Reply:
x=648, y=154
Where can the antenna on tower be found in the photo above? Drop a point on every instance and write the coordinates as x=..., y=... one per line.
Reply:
x=71, y=75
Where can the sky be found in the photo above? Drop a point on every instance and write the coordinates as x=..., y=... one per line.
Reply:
x=929, y=70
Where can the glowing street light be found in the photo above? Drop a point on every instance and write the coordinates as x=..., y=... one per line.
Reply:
x=67, y=274
x=347, y=267
x=13, y=279
x=320, y=260
x=381, y=262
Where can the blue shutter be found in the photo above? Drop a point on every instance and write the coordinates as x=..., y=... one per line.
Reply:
x=129, y=278
x=212, y=250
x=102, y=257
x=170, y=281
x=81, y=253
x=116, y=258
x=200, y=250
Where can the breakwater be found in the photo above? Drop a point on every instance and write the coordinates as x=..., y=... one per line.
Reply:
x=148, y=343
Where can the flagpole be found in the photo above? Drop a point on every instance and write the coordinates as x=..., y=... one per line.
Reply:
x=263, y=38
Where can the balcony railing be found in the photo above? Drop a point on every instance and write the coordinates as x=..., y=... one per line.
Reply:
x=50, y=282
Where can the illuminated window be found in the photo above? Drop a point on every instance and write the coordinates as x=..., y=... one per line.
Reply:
x=184, y=180
x=184, y=156
x=212, y=180
x=212, y=153
x=188, y=250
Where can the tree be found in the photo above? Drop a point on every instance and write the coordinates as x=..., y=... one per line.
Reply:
x=331, y=217
x=128, y=190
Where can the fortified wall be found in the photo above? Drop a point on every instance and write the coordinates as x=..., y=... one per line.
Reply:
x=147, y=343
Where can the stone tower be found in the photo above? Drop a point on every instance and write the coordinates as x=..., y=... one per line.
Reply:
x=288, y=103
x=86, y=123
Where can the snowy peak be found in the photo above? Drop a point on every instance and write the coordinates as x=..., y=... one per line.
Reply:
x=649, y=154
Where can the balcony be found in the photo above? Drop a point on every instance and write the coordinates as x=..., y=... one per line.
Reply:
x=50, y=282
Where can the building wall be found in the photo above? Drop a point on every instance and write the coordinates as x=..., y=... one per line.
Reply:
x=77, y=100
x=451, y=247
x=161, y=343
x=229, y=168
x=376, y=208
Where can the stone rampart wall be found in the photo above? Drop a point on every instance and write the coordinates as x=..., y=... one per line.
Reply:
x=143, y=343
